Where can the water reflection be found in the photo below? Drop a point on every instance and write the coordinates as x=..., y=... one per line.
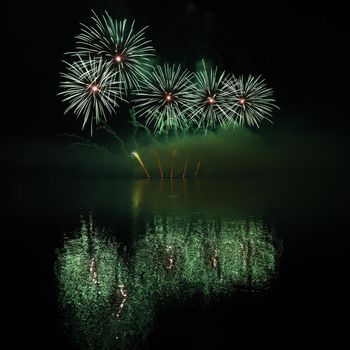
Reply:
x=110, y=294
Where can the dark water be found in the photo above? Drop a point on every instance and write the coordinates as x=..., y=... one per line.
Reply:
x=151, y=264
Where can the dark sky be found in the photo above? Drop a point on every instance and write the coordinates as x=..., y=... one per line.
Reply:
x=299, y=50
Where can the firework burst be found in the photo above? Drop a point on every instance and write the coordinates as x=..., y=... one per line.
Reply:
x=165, y=98
x=90, y=88
x=118, y=43
x=251, y=100
x=211, y=104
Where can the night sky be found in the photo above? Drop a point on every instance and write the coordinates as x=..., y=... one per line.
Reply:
x=300, y=51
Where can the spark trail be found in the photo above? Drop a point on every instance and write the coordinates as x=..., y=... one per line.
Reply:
x=137, y=156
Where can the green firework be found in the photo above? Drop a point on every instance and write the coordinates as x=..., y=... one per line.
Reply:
x=90, y=89
x=211, y=103
x=165, y=98
x=252, y=100
x=118, y=43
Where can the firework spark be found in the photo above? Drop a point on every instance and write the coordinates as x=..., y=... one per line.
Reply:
x=165, y=98
x=251, y=99
x=118, y=43
x=211, y=99
x=90, y=88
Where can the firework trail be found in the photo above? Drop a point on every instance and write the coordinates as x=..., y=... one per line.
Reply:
x=185, y=169
x=173, y=162
x=197, y=168
x=159, y=166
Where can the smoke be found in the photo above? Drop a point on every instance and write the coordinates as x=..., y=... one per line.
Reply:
x=242, y=152
x=273, y=151
x=221, y=153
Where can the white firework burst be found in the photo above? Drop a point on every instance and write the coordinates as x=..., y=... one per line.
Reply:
x=90, y=89
x=252, y=100
x=211, y=103
x=165, y=98
x=117, y=42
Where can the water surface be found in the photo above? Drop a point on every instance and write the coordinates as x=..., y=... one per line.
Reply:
x=175, y=263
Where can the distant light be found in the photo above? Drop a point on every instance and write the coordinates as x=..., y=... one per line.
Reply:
x=242, y=101
x=94, y=88
x=118, y=58
x=211, y=100
x=168, y=97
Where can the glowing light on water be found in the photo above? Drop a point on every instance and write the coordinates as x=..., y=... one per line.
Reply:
x=178, y=257
x=123, y=295
x=215, y=259
x=93, y=271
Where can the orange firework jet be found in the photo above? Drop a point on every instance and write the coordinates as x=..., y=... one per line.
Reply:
x=185, y=169
x=197, y=168
x=159, y=166
x=172, y=162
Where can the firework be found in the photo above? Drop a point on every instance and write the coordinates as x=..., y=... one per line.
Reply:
x=197, y=168
x=174, y=153
x=211, y=99
x=160, y=169
x=159, y=165
x=137, y=156
x=251, y=99
x=185, y=169
x=90, y=88
x=165, y=98
x=118, y=43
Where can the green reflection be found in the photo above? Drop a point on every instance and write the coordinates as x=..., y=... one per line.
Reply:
x=89, y=273
x=111, y=298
